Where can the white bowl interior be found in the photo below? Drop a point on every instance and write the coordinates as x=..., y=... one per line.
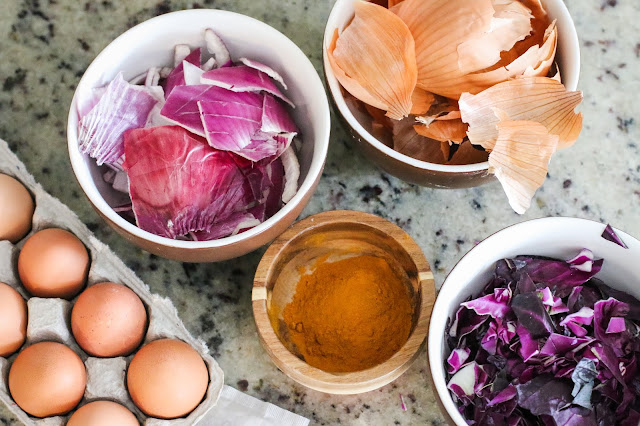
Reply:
x=568, y=58
x=553, y=237
x=151, y=44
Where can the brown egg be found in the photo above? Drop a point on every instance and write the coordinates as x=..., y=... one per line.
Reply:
x=53, y=263
x=167, y=379
x=103, y=413
x=47, y=379
x=108, y=320
x=16, y=209
x=13, y=320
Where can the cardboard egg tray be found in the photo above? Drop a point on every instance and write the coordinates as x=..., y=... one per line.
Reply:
x=49, y=319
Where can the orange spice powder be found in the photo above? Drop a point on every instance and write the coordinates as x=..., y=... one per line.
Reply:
x=349, y=315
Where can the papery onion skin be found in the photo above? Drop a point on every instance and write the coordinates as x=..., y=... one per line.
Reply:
x=460, y=45
x=520, y=159
x=438, y=28
x=374, y=59
x=181, y=106
x=511, y=23
x=265, y=69
x=444, y=130
x=121, y=107
x=468, y=154
x=243, y=79
x=422, y=101
x=229, y=126
x=176, y=78
x=178, y=183
x=538, y=99
x=408, y=142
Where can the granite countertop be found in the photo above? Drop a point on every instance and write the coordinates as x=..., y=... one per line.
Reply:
x=46, y=45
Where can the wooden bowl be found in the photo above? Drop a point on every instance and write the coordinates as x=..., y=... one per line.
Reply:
x=339, y=233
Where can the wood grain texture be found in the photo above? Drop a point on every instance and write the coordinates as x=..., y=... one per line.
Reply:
x=328, y=232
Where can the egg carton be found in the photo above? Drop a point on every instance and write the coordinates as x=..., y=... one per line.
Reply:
x=49, y=319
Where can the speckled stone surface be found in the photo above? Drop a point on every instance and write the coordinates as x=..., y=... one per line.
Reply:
x=45, y=45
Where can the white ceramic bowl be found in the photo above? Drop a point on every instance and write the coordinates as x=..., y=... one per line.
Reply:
x=557, y=237
x=151, y=44
x=422, y=172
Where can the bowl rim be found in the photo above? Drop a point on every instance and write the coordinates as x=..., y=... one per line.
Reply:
x=352, y=382
x=335, y=89
x=320, y=149
x=443, y=397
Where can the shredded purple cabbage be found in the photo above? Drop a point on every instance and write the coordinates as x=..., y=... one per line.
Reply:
x=546, y=343
x=610, y=235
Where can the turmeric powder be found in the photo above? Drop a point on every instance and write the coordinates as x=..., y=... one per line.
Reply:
x=349, y=315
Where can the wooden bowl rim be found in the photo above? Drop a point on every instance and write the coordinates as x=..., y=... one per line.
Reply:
x=354, y=382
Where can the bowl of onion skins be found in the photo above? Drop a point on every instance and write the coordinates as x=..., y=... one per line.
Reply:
x=421, y=172
x=150, y=44
x=554, y=237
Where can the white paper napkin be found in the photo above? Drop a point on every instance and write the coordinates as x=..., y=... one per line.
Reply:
x=235, y=408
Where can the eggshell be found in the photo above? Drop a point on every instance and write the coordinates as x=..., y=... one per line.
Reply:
x=103, y=413
x=108, y=320
x=167, y=379
x=16, y=209
x=13, y=320
x=53, y=263
x=47, y=379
